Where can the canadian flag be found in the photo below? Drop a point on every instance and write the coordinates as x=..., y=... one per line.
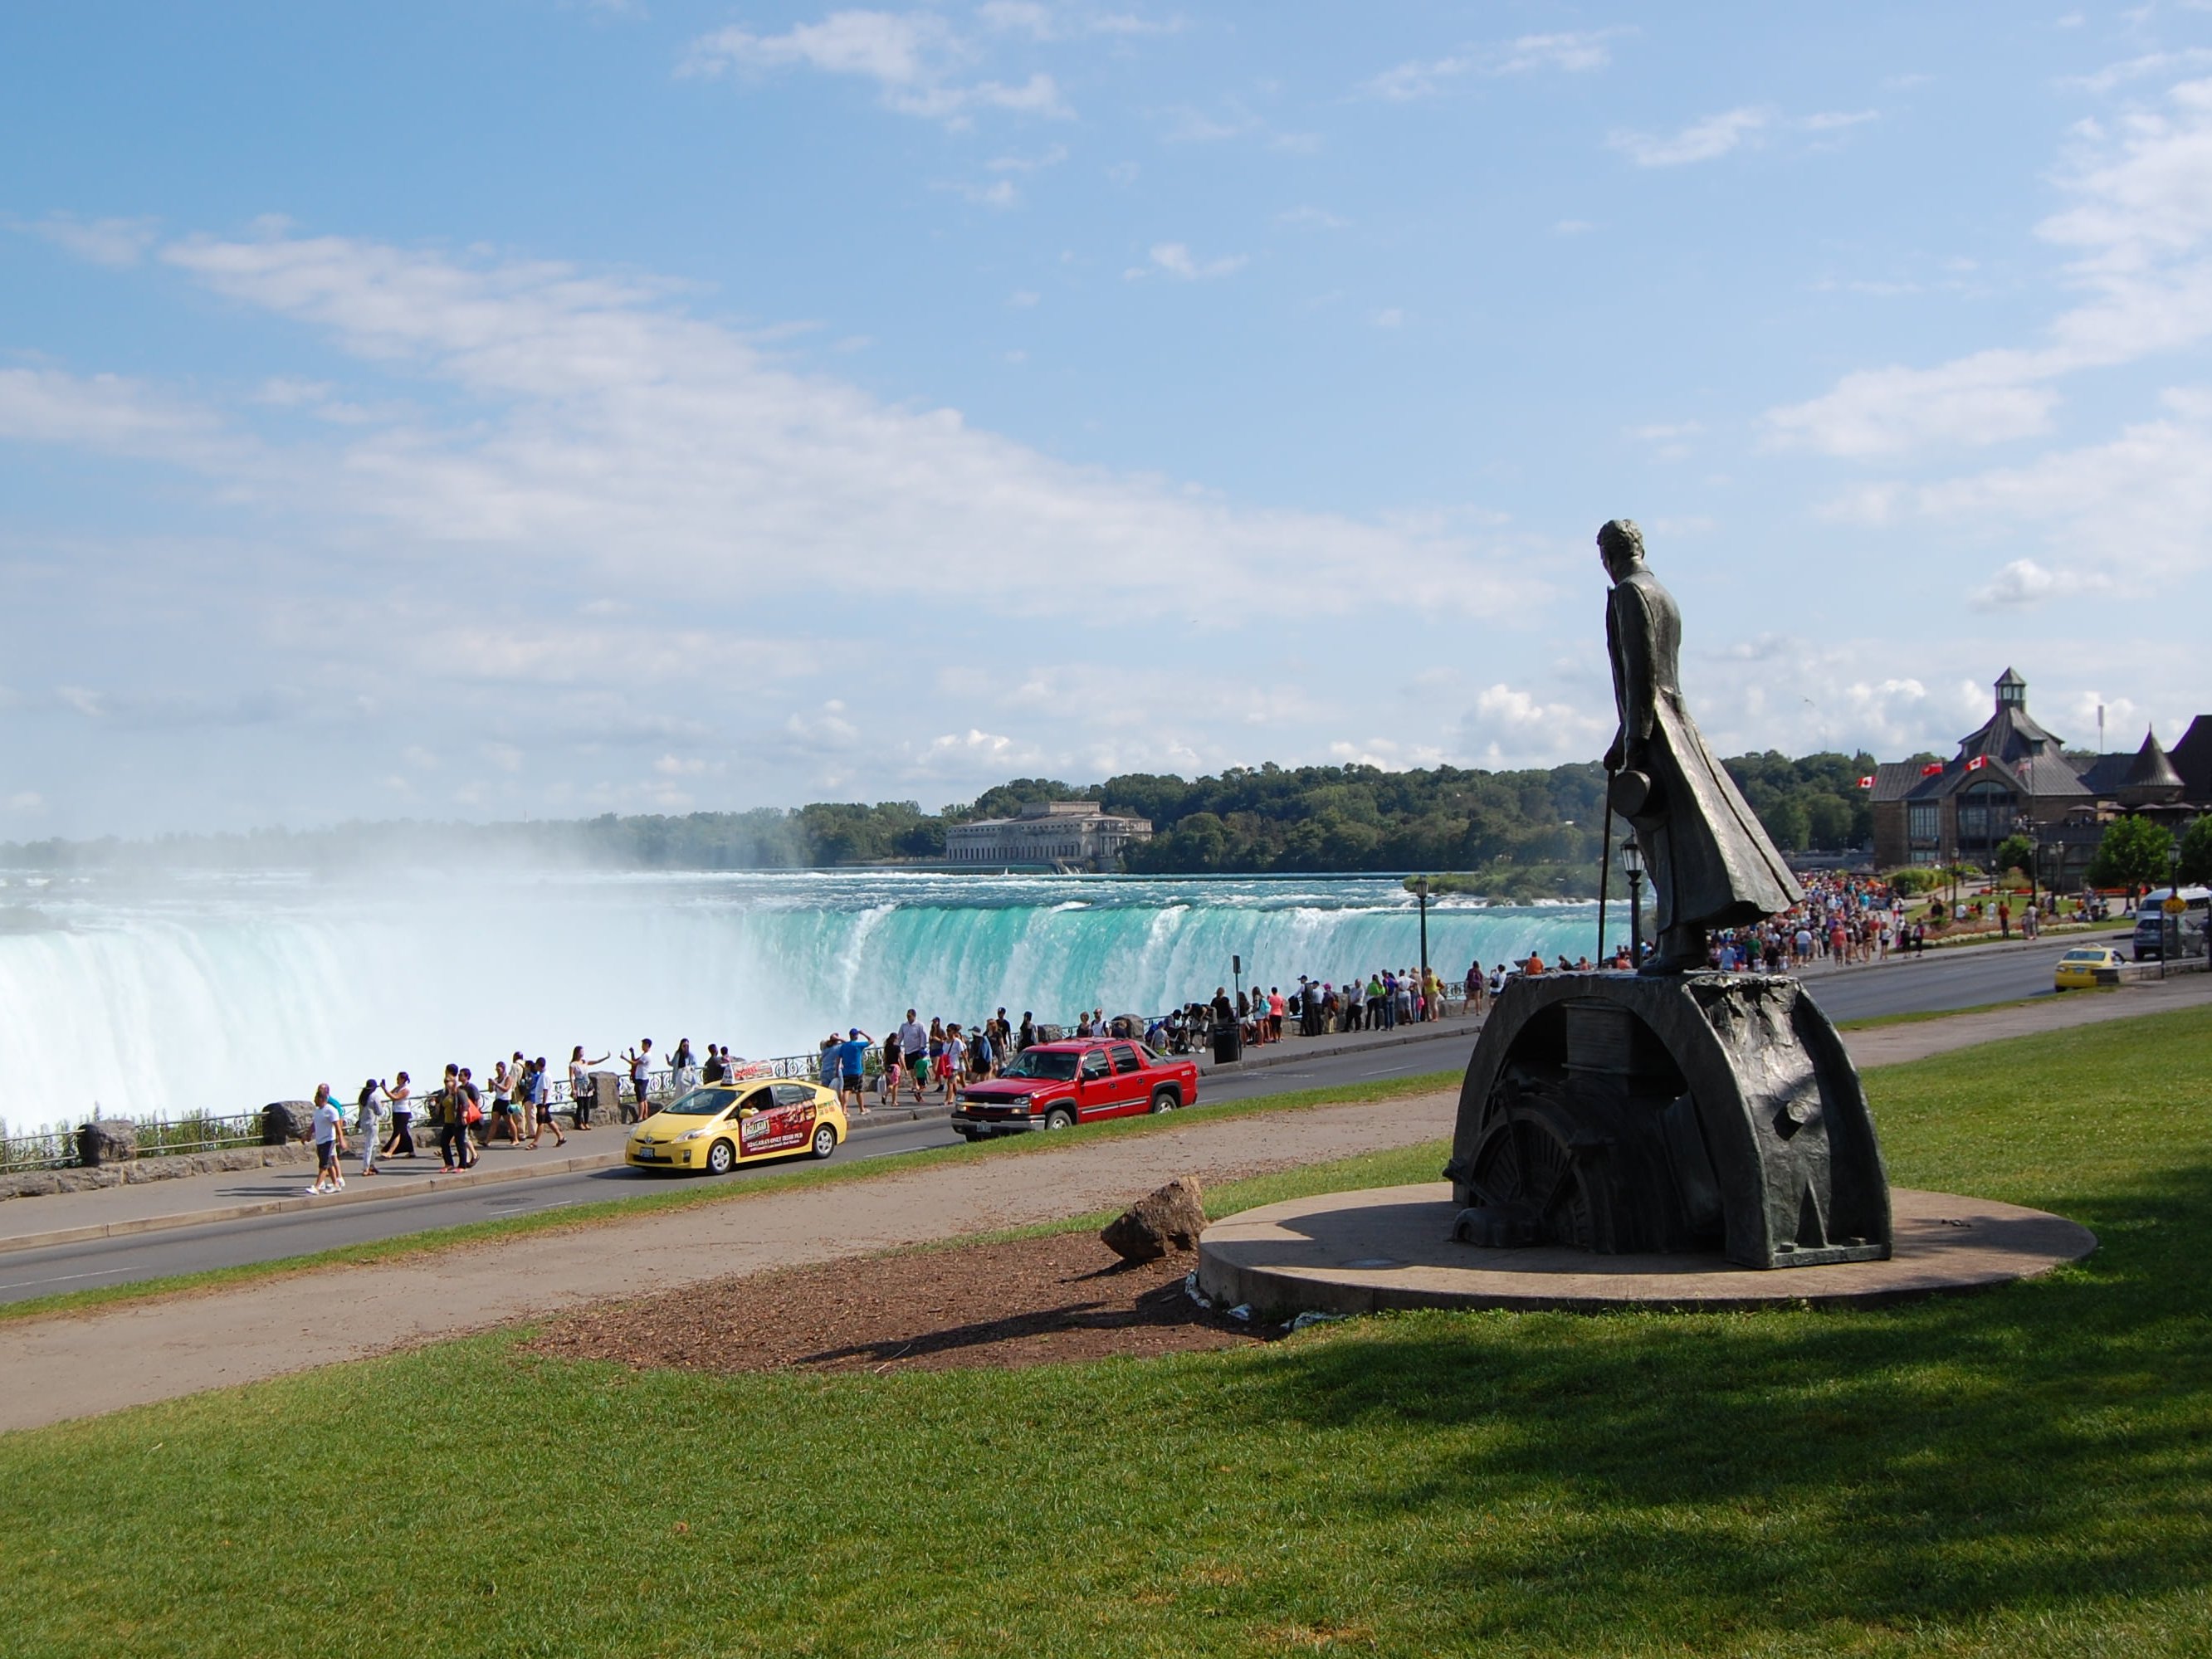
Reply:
x=1932, y=768
x=1867, y=782
x=1978, y=762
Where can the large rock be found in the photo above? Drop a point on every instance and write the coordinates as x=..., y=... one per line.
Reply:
x=286, y=1121
x=1170, y=1219
x=107, y=1140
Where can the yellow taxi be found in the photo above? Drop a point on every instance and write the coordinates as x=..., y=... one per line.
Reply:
x=2079, y=968
x=721, y=1125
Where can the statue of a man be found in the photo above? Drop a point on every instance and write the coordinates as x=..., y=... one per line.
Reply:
x=1712, y=863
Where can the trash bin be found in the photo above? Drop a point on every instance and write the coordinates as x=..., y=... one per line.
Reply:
x=1228, y=1043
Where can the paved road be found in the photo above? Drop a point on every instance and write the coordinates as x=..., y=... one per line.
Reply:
x=1939, y=981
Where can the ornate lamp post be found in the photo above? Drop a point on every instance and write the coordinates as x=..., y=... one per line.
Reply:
x=1421, y=892
x=2023, y=825
x=1632, y=864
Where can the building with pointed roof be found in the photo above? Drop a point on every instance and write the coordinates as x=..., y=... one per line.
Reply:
x=2012, y=775
x=2151, y=780
x=2009, y=771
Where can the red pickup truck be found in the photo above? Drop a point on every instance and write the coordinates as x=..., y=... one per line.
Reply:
x=1057, y=1085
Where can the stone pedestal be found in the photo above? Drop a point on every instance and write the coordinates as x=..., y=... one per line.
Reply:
x=1626, y=1114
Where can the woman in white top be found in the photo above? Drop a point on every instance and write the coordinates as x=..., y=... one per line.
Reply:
x=579, y=1083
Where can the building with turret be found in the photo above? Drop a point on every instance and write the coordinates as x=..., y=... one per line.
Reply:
x=2012, y=777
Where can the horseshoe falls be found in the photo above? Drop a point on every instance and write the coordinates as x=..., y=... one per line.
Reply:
x=160, y=995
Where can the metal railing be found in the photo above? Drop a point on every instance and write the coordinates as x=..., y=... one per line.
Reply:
x=56, y=1147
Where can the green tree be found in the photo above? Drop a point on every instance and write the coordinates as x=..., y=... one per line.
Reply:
x=2135, y=852
x=2197, y=851
x=1788, y=823
x=2015, y=852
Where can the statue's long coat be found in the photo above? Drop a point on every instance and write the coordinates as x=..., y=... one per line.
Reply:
x=1712, y=863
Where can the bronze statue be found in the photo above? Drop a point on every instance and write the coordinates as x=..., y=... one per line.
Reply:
x=1712, y=863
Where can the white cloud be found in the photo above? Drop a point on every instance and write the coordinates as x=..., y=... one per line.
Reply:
x=1175, y=259
x=916, y=60
x=641, y=451
x=2024, y=583
x=2135, y=69
x=1701, y=141
x=999, y=193
x=1068, y=22
x=1837, y=120
x=2142, y=214
x=1572, y=52
x=1508, y=726
x=1025, y=164
x=1987, y=398
x=116, y=243
x=1310, y=218
x=1024, y=299
x=1572, y=227
x=113, y=414
x=1388, y=316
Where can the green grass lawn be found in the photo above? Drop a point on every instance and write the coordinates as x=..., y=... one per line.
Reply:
x=2027, y=1471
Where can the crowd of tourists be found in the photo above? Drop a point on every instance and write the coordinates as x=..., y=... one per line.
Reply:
x=462, y=1118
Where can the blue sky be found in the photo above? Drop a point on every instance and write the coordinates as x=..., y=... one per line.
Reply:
x=475, y=409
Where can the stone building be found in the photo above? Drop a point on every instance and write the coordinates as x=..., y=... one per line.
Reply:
x=1964, y=808
x=1061, y=834
x=2014, y=777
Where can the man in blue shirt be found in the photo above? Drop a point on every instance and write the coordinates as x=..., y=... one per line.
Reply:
x=852, y=1062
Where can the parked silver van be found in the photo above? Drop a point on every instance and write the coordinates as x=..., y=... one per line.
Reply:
x=2155, y=930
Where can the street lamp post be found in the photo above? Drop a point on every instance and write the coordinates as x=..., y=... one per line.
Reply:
x=1632, y=864
x=2025, y=827
x=1421, y=892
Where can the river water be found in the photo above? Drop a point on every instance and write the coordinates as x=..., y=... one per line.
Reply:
x=154, y=995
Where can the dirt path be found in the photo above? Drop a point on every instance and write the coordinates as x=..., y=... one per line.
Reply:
x=81, y=1364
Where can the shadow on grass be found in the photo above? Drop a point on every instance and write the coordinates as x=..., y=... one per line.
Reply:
x=1163, y=1306
x=1958, y=1458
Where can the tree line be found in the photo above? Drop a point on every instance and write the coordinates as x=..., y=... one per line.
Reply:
x=1527, y=833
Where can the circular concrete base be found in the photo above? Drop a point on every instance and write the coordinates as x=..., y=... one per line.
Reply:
x=1391, y=1246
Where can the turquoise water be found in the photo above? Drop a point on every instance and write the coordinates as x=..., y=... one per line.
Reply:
x=223, y=991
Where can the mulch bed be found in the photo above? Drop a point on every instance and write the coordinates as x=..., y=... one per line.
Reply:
x=1027, y=1302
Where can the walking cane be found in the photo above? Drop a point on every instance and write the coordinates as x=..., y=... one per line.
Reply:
x=1604, y=865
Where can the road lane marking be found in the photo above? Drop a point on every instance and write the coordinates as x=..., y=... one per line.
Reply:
x=24, y=1284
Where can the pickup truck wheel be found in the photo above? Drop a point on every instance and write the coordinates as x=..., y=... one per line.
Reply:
x=825, y=1141
x=1164, y=1100
x=1060, y=1118
x=721, y=1157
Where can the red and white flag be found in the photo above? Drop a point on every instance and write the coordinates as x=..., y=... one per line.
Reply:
x=1867, y=782
x=1978, y=762
x=1932, y=768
